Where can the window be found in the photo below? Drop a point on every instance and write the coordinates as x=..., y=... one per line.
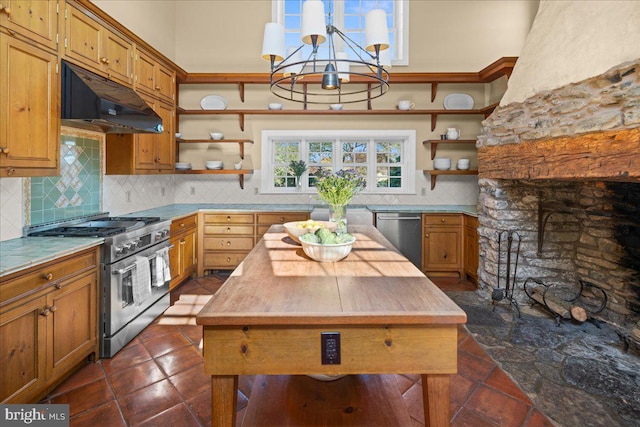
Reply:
x=386, y=158
x=348, y=16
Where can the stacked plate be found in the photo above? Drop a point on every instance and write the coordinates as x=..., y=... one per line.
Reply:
x=183, y=166
x=214, y=164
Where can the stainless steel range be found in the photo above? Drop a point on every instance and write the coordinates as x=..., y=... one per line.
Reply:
x=135, y=272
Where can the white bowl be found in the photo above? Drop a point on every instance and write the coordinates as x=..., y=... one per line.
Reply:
x=327, y=253
x=183, y=165
x=216, y=135
x=275, y=106
x=335, y=106
x=442, y=163
x=178, y=135
x=296, y=229
x=213, y=164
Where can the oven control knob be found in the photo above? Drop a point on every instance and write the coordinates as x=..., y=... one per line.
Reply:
x=119, y=250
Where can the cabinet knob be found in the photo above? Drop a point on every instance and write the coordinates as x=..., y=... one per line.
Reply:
x=45, y=312
x=47, y=276
x=104, y=61
x=4, y=150
x=53, y=308
x=228, y=243
x=6, y=9
x=228, y=218
x=441, y=219
x=228, y=229
x=426, y=235
x=158, y=88
x=228, y=259
x=281, y=219
x=11, y=171
x=182, y=224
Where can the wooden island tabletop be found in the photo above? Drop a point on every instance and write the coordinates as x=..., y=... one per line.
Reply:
x=277, y=284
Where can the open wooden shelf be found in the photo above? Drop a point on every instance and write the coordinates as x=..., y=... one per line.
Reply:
x=486, y=111
x=436, y=173
x=240, y=172
x=434, y=143
x=240, y=142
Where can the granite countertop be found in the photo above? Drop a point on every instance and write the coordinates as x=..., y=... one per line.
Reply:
x=25, y=252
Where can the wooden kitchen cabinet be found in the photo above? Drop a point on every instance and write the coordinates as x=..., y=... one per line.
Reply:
x=182, y=256
x=224, y=240
x=266, y=220
x=442, y=244
x=48, y=324
x=31, y=20
x=144, y=153
x=471, y=249
x=29, y=113
x=153, y=78
x=90, y=44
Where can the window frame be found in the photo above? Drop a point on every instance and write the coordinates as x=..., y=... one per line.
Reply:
x=408, y=164
x=400, y=22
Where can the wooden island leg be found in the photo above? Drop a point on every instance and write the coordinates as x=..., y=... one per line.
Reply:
x=224, y=398
x=436, y=397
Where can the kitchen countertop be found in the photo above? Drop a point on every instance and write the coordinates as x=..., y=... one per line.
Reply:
x=22, y=253
x=25, y=252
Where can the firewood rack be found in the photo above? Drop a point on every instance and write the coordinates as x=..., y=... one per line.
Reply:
x=578, y=307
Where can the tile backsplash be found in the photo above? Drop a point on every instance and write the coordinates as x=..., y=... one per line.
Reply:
x=77, y=191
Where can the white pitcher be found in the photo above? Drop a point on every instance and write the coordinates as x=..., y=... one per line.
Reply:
x=453, y=133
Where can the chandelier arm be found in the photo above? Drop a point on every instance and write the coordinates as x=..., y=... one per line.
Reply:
x=353, y=45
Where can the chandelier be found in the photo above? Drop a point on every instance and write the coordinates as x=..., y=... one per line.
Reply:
x=323, y=80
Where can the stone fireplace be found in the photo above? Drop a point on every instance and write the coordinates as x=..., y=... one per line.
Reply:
x=562, y=169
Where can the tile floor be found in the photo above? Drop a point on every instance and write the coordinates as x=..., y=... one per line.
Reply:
x=158, y=379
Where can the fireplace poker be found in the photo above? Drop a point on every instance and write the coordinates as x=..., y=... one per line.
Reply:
x=498, y=293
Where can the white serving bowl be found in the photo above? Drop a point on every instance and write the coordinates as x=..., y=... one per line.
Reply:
x=295, y=231
x=216, y=135
x=213, y=164
x=183, y=165
x=178, y=135
x=275, y=106
x=442, y=163
x=335, y=106
x=327, y=253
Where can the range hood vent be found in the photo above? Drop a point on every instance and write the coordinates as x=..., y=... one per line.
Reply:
x=92, y=102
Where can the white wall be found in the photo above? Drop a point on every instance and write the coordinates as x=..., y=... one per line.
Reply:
x=573, y=40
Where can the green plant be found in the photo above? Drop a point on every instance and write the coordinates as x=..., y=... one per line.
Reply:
x=298, y=167
x=339, y=188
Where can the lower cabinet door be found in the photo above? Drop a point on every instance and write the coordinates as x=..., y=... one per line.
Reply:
x=22, y=351
x=73, y=315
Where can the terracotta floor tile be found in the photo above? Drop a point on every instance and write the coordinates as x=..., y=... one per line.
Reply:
x=404, y=383
x=177, y=416
x=85, y=375
x=163, y=344
x=470, y=346
x=501, y=381
x=179, y=360
x=201, y=406
x=467, y=418
x=192, y=332
x=461, y=389
x=413, y=402
x=497, y=407
x=192, y=382
x=85, y=397
x=149, y=401
x=135, y=378
x=472, y=367
x=156, y=329
x=126, y=358
x=104, y=415
x=538, y=419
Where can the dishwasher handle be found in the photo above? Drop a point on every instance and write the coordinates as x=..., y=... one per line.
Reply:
x=401, y=218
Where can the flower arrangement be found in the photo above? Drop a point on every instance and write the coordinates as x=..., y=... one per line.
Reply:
x=338, y=189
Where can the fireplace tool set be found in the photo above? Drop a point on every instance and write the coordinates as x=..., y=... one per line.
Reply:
x=508, y=248
x=564, y=302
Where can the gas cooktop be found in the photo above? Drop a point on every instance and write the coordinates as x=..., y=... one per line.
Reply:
x=95, y=227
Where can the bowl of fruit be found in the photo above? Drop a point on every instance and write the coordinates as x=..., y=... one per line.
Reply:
x=327, y=246
x=296, y=229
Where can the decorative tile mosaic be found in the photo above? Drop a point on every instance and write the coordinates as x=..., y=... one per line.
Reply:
x=76, y=192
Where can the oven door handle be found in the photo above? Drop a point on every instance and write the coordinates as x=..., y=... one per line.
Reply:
x=132, y=266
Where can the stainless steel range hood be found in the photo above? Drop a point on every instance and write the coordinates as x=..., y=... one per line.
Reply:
x=92, y=102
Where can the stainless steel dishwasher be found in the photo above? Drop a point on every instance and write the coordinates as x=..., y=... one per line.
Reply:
x=404, y=231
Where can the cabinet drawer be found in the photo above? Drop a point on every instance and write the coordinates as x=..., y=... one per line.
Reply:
x=228, y=218
x=182, y=224
x=281, y=218
x=223, y=260
x=442, y=219
x=470, y=221
x=228, y=243
x=46, y=275
x=223, y=229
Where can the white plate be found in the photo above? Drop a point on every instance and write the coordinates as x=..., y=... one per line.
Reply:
x=458, y=101
x=213, y=102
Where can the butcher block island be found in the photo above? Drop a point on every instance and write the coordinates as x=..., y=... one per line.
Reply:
x=374, y=312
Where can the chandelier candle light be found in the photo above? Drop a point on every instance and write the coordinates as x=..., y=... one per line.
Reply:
x=337, y=190
x=332, y=72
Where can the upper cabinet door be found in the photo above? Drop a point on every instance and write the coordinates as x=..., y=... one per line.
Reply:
x=35, y=19
x=166, y=84
x=118, y=58
x=83, y=39
x=29, y=116
x=145, y=73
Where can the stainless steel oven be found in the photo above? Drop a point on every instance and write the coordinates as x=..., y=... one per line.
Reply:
x=129, y=243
